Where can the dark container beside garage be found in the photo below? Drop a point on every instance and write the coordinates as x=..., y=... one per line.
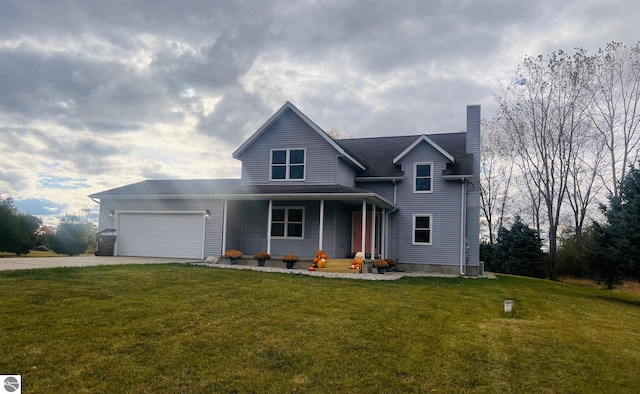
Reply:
x=106, y=242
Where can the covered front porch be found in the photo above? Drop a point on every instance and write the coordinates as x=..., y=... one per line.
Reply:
x=300, y=224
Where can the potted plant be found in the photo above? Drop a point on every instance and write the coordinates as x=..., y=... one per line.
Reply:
x=390, y=264
x=381, y=265
x=261, y=257
x=233, y=255
x=290, y=259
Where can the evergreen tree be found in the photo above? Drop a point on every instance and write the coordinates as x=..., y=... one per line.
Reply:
x=519, y=251
x=616, y=244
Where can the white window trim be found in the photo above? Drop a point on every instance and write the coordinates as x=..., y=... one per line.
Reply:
x=286, y=221
x=413, y=229
x=415, y=176
x=287, y=165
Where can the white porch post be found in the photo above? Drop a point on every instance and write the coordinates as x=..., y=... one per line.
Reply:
x=363, y=234
x=224, y=227
x=321, y=225
x=373, y=231
x=269, y=227
x=383, y=234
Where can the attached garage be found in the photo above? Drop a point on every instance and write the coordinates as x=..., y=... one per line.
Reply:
x=160, y=234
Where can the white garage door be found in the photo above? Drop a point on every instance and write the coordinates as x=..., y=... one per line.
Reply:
x=179, y=235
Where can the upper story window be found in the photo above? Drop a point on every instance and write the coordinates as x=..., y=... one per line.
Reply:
x=287, y=164
x=423, y=174
x=287, y=222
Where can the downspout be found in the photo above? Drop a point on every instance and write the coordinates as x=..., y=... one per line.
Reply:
x=363, y=227
x=395, y=187
x=224, y=226
x=463, y=221
x=321, y=231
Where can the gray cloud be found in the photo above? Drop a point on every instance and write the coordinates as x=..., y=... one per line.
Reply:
x=88, y=84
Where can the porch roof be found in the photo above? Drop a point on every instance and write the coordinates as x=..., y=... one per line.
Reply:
x=233, y=189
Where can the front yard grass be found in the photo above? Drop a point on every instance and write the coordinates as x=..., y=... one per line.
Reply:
x=177, y=328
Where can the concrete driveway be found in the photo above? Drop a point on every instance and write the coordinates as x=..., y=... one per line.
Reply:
x=18, y=263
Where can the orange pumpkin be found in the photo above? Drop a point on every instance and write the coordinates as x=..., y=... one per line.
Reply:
x=320, y=264
x=311, y=268
x=316, y=259
x=324, y=256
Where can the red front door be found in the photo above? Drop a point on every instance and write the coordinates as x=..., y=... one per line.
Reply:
x=356, y=225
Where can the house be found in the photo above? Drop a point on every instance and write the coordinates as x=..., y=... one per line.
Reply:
x=414, y=198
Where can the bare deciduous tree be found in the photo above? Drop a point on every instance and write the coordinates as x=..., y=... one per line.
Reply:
x=615, y=112
x=544, y=109
x=336, y=134
x=495, y=178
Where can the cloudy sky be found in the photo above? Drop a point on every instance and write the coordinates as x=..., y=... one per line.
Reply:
x=99, y=94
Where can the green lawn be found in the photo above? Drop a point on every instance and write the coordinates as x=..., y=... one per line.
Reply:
x=174, y=328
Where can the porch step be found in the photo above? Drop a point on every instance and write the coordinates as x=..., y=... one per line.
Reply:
x=338, y=265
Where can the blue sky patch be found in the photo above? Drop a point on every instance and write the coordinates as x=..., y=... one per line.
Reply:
x=63, y=183
x=39, y=207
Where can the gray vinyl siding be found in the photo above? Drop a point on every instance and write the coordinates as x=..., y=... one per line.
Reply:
x=329, y=233
x=346, y=174
x=290, y=132
x=254, y=226
x=213, y=229
x=342, y=231
x=384, y=189
x=234, y=226
x=443, y=204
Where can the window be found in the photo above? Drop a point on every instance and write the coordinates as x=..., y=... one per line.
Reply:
x=423, y=177
x=422, y=229
x=287, y=164
x=287, y=222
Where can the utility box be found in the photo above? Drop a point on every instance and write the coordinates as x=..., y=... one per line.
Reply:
x=106, y=242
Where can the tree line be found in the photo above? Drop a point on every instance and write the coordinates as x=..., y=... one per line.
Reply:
x=20, y=233
x=560, y=153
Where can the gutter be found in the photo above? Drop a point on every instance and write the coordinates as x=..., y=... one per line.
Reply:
x=378, y=178
x=373, y=197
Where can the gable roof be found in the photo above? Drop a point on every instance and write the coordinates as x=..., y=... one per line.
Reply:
x=423, y=138
x=378, y=153
x=288, y=106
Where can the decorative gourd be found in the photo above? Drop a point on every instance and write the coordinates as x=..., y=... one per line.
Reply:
x=311, y=268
